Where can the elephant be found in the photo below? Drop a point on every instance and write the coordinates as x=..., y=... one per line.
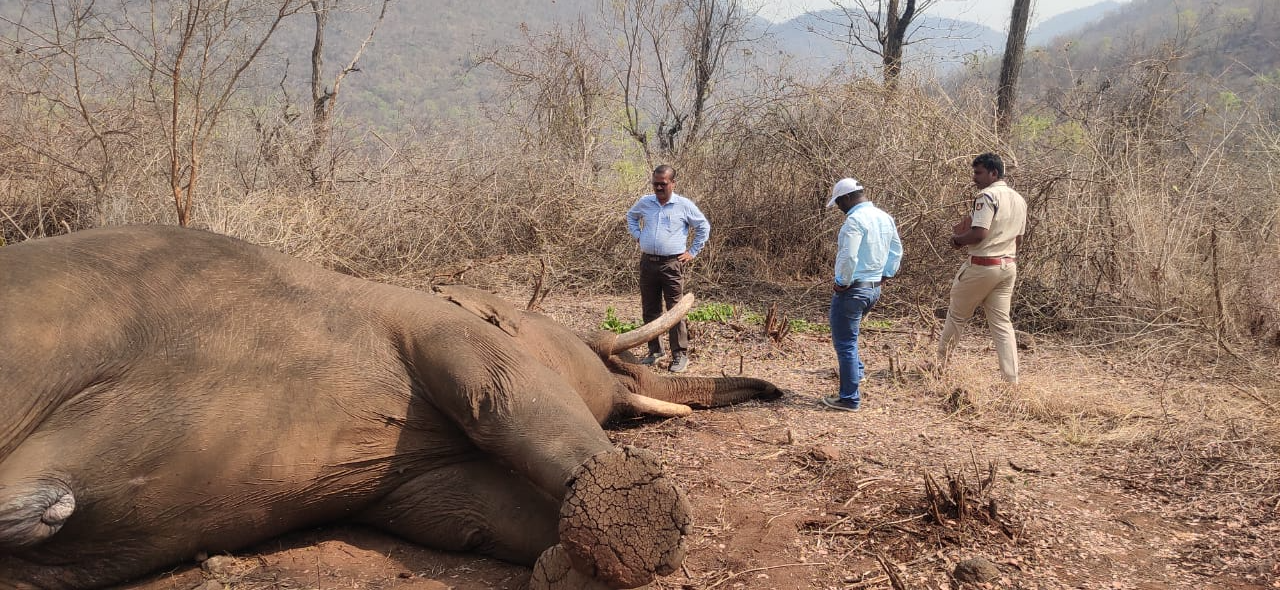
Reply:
x=168, y=392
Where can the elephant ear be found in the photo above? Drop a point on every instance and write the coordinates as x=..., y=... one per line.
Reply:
x=487, y=306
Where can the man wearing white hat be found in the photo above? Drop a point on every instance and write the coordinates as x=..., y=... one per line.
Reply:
x=868, y=251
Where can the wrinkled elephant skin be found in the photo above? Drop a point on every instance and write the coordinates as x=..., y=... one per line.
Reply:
x=167, y=392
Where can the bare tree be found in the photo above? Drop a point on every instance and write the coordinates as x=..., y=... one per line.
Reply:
x=882, y=28
x=194, y=54
x=58, y=67
x=324, y=100
x=673, y=53
x=634, y=20
x=713, y=28
x=1011, y=66
x=558, y=78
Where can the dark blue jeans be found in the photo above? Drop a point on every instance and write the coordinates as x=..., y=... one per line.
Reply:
x=847, y=310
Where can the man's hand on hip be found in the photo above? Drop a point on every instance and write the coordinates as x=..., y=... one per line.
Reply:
x=685, y=257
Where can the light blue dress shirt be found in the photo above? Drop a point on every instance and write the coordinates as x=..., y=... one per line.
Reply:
x=869, y=247
x=663, y=230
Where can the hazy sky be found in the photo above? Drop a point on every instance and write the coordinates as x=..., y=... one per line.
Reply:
x=992, y=13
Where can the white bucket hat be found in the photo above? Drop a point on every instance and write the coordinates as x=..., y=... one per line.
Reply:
x=843, y=187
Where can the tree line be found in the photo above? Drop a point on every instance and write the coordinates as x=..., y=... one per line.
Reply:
x=127, y=112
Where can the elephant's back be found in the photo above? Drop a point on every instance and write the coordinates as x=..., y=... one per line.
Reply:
x=161, y=299
x=192, y=335
x=187, y=310
x=159, y=360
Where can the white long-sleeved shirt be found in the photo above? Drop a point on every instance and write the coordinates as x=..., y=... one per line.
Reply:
x=868, y=247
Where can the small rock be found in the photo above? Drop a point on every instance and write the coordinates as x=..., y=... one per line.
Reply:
x=976, y=570
x=209, y=585
x=219, y=565
x=1024, y=341
x=824, y=453
x=1265, y=567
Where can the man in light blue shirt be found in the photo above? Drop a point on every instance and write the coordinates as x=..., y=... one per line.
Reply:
x=869, y=250
x=660, y=222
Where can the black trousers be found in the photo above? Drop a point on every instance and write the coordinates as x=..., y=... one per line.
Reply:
x=662, y=282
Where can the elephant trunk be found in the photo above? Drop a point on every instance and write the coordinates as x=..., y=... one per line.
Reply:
x=710, y=392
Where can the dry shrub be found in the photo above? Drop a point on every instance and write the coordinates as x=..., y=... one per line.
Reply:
x=766, y=184
x=1153, y=208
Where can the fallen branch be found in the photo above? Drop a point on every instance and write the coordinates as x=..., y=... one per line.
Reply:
x=25, y=236
x=1252, y=394
x=761, y=569
x=1022, y=469
x=889, y=570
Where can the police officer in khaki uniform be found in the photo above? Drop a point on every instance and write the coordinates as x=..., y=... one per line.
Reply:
x=992, y=233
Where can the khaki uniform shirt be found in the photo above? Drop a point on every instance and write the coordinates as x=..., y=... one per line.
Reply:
x=1003, y=212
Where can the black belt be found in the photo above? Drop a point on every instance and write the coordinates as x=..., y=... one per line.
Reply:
x=658, y=258
x=859, y=285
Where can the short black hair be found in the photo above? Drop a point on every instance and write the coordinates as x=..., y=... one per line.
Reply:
x=990, y=161
x=664, y=169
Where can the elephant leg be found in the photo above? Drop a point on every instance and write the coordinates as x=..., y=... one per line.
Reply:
x=624, y=522
x=511, y=406
x=621, y=524
x=478, y=506
x=554, y=571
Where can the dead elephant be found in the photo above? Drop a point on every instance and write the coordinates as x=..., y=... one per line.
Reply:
x=166, y=392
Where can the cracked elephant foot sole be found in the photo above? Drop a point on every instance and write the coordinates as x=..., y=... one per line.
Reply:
x=554, y=571
x=624, y=522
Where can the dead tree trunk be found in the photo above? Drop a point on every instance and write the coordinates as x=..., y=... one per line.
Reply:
x=895, y=39
x=324, y=100
x=1011, y=66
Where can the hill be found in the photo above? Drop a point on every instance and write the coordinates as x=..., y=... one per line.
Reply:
x=1236, y=41
x=820, y=40
x=419, y=64
x=1070, y=22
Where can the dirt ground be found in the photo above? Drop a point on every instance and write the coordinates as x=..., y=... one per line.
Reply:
x=1102, y=469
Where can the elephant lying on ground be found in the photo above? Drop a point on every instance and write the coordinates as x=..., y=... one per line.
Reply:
x=166, y=392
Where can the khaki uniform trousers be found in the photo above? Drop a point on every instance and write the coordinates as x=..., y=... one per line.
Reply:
x=992, y=288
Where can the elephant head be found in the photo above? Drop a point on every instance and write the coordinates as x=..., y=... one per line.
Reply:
x=606, y=375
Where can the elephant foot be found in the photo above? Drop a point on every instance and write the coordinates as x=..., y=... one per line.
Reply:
x=554, y=571
x=623, y=521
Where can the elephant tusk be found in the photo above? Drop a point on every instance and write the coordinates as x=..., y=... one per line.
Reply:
x=655, y=328
x=643, y=405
